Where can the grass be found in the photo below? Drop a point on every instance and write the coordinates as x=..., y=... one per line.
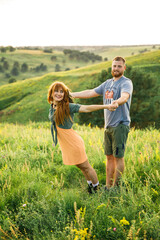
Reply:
x=43, y=199
x=34, y=58
x=124, y=51
x=26, y=100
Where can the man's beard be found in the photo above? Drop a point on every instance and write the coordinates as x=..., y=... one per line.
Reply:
x=116, y=74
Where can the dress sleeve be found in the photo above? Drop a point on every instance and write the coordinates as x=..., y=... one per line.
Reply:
x=74, y=108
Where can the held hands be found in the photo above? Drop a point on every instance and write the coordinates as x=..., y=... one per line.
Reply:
x=112, y=107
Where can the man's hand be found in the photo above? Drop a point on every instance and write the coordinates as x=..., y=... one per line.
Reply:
x=113, y=106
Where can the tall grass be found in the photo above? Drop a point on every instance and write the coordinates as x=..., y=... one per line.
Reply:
x=40, y=198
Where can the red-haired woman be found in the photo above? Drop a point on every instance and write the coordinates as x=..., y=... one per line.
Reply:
x=72, y=146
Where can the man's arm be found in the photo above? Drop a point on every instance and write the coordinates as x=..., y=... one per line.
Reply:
x=84, y=94
x=123, y=99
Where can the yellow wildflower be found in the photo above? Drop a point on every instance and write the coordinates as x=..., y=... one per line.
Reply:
x=100, y=206
x=124, y=222
x=155, y=192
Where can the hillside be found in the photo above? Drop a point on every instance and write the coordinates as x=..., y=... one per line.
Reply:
x=38, y=63
x=34, y=61
x=26, y=100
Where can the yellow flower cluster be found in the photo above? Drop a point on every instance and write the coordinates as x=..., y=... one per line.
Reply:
x=124, y=222
x=81, y=234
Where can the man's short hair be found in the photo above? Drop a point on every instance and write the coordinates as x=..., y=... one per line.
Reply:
x=119, y=59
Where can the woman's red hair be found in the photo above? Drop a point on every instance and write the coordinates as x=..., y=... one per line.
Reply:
x=62, y=108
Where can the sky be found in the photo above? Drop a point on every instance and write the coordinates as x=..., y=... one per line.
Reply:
x=79, y=22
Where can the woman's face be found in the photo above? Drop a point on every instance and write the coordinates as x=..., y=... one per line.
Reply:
x=58, y=95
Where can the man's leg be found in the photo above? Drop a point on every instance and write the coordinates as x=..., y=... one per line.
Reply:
x=118, y=170
x=110, y=170
x=120, y=135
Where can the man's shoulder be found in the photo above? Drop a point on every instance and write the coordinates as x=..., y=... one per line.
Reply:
x=126, y=79
x=108, y=81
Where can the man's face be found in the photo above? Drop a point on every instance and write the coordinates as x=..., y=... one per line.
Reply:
x=118, y=68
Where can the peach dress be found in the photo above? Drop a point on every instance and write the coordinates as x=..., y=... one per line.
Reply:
x=71, y=144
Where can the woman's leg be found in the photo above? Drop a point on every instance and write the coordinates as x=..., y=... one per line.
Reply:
x=88, y=172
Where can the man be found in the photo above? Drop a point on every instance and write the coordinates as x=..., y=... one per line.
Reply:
x=117, y=91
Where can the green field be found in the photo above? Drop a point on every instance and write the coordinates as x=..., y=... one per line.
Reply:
x=43, y=199
x=34, y=58
x=27, y=100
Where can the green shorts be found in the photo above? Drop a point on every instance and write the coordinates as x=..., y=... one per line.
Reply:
x=115, y=139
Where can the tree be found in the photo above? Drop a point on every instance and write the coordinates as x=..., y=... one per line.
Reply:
x=57, y=68
x=15, y=71
x=105, y=59
x=16, y=64
x=24, y=67
x=53, y=58
x=47, y=50
x=1, y=68
x=3, y=59
x=7, y=75
x=3, y=49
x=5, y=65
x=12, y=80
x=11, y=49
x=43, y=67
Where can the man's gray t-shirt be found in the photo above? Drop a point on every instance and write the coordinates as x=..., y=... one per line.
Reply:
x=111, y=90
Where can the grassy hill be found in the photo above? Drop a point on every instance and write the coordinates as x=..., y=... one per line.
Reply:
x=34, y=58
x=40, y=198
x=26, y=100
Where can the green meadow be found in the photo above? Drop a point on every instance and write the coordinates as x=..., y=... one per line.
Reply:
x=25, y=101
x=40, y=197
x=43, y=199
x=34, y=58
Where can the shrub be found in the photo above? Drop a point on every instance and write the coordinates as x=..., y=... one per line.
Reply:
x=12, y=80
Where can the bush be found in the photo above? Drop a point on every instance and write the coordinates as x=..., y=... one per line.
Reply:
x=53, y=58
x=12, y=80
x=24, y=67
x=7, y=75
x=5, y=65
x=1, y=68
x=57, y=68
x=47, y=50
x=15, y=71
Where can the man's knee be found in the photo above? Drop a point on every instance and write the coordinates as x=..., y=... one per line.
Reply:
x=110, y=158
x=119, y=160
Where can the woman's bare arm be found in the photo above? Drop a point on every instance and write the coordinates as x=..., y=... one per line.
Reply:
x=92, y=108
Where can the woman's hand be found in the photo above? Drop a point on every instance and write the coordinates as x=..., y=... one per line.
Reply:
x=112, y=107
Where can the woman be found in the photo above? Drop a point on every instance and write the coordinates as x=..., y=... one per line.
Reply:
x=72, y=146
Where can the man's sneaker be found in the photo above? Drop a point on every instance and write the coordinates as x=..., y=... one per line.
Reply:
x=106, y=189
